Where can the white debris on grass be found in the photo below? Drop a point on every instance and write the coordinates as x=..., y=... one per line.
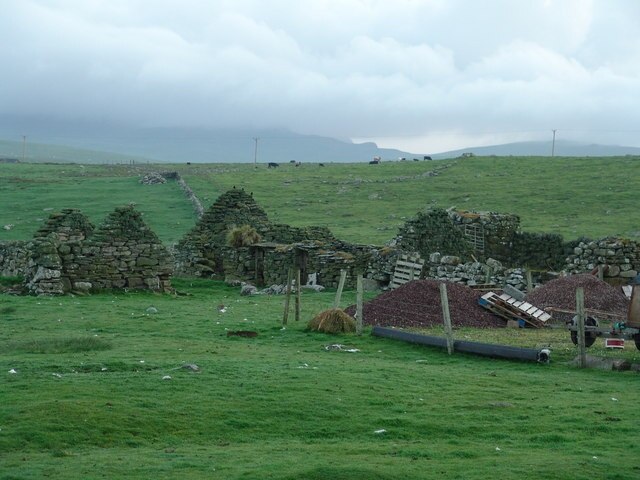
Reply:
x=381, y=431
x=613, y=399
x=167, y=377
x=57, y=375
x=341, y=348
x=13, y=370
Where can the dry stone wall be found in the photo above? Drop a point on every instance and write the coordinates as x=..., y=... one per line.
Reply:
x=200, y=251
x=432, y=231
x=619, y=257
x=481, y=234
x=489, y=234
x=14, y=256
x=67, y=255
x=268, y=264
x=204, y=252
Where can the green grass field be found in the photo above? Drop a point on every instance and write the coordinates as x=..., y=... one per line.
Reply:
x=576, y=197
x=89, y=400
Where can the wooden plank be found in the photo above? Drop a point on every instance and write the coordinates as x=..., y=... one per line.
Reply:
x=402, y=263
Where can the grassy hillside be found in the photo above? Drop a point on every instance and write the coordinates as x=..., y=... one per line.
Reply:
x=89, y=398
x=30, y=192
x=42, y=152
x=364, y=203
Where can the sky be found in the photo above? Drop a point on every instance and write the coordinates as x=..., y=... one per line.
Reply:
x=418, y=75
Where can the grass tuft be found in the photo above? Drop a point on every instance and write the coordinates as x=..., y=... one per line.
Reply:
x=243, y=236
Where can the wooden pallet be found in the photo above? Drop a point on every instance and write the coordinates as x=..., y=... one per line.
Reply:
x=509, y=308
x=406, y=269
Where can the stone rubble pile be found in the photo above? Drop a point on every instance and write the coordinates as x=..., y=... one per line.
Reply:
x=492, y=272
x=153, y=178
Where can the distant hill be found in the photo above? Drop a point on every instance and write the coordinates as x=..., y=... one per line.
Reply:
x=563, y=148
x=42, y=152
x=180, y=145
x=103, y=142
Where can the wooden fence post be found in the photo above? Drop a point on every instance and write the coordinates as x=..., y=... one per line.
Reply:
x=529, y=281
x=343, y=276
x=359, y=308
x=287, y=299
x=487, y=278
x=298, y=293
x=444, y=300
x=600, y=272
x=580, y=324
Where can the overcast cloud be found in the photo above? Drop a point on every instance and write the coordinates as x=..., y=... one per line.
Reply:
x=420, y=75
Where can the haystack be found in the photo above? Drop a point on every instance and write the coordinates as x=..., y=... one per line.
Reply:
x=334, y=320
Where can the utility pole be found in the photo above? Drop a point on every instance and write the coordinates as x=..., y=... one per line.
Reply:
x=553, y=143
x=255, y=153
x=24, y=146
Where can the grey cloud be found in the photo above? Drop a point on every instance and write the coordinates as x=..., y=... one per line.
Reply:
x=373, y=69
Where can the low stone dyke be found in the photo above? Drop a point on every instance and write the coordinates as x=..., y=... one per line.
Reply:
x=14, y=257
x=619, y=258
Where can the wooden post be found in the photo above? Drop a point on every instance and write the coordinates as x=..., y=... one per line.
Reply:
x=581, y=319
x=600, y=272
x=487, y=278
x=343, y=276
x=298, y=293
x=529, y=281
x=444, y=300
x=287, y=299
x=412, y=274
x=359, y=310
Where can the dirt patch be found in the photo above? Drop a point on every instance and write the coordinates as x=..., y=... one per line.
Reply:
x=561, y=293
x=417, y=304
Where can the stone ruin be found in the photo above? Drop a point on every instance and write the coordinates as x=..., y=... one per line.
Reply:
x=68, y=254
x=459, y=246
x=204, y=251
x=619, y=258
x=479, y=236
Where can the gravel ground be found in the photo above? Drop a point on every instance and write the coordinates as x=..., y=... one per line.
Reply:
x=561, y=293
x=417, y=304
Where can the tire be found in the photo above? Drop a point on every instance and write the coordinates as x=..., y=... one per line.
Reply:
x=589, y=337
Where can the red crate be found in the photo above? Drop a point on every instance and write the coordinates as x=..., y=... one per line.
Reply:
x=614, y=342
